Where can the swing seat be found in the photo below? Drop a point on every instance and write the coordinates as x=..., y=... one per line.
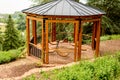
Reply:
x=61, y=51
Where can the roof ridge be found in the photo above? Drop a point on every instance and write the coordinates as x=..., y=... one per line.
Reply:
x=76, y=5
x=52, y=6
x=73, y=7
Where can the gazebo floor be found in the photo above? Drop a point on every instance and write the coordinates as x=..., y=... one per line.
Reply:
x=55, y=58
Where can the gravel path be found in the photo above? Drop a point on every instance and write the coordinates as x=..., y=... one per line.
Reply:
x=23, y=67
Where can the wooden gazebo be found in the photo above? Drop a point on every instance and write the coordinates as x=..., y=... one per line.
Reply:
x=61, y=11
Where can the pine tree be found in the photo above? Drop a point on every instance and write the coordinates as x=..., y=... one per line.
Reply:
x=11, y=37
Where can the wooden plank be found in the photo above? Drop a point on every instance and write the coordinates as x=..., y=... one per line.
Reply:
x=98, y=38
x=91, y=20
x=47, y=49
x=34, y=18
x=80, y=40
x=94, y=16
x=55, y=16
x=76, y=39
x=34, y=33
x=62, y=21
x=28, y=36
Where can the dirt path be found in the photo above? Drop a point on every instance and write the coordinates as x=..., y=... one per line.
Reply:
x=15, y=68
x=109, y=46
x=25, y=67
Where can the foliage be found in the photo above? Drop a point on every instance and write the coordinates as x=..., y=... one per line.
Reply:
x=8, y=56
x=103, y=68
x=30, y=78
x=19, y=20
x=36, y=2
x=3, y=18
x=64, y=31
x=11, y=37
x=109, y=37
x=106, y=68
x=1, y=42
x=111, y=21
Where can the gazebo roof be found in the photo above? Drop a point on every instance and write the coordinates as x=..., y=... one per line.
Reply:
x=64, y=8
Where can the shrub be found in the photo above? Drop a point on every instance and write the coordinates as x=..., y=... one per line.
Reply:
x=106, y=68
x=32, y=77
x=7, y=56
x=109, y=37
x=103, y=68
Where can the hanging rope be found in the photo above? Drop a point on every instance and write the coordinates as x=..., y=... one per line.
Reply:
x=61, y=51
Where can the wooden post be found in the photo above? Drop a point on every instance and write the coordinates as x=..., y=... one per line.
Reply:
x=53, y=32
x=28, y=36
x=43, y=40
x=98, y=38
x=74, y=32
x=34, y=31
x=79, y=40
x=47, y=49
x=94, y=35
x=76, y=39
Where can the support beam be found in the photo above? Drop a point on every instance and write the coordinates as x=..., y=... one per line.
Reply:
x=74, y=31
x=76, y=39
x=53, y=31
x=94, y=35
x=98, y=38
x=28, y=36
x=34, y=33
x=80, y=40
x=43, y=40
x=47, y=46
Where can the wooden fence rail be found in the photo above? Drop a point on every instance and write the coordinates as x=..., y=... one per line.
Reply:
x=35, y=51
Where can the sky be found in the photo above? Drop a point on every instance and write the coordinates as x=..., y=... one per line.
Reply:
x=10, y=6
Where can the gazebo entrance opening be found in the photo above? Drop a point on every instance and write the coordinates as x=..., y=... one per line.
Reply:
x=62, y=48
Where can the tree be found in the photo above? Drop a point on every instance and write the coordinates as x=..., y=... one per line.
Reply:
x=36, y=2
x=21, y=22
x=11, y=37
x=1, y=41
x=111, y=21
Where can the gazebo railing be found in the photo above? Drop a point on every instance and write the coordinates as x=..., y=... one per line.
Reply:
x=35, y=51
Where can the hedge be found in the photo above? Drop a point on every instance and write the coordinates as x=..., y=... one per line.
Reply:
x=8, y=56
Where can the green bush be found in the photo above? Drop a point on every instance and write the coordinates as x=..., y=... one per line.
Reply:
x=103, y=68
x=32, y=77
x=106, y=68
x=7, y=56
